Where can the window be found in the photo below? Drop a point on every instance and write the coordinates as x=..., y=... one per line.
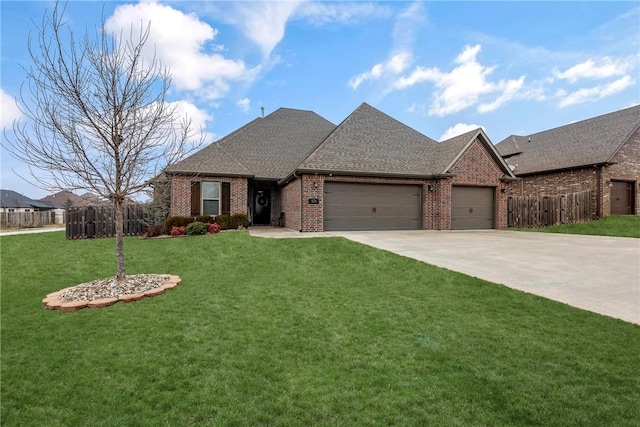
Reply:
x=210, y=198
x=11, y=210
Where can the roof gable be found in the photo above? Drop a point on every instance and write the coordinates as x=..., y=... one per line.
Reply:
x=371, y=142
x=454, y=148
x=269, y=147
x=584, y=143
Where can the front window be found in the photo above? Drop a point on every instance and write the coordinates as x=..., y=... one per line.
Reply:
x=210, y=198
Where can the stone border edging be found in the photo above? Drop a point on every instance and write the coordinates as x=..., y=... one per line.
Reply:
x=53, y=301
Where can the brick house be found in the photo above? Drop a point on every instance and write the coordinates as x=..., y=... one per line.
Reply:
x=601, y=154
x=370, y=172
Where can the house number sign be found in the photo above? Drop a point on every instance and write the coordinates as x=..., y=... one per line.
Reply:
x=314, y=201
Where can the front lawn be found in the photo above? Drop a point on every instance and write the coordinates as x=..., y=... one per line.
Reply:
x=613, y=225
x=300, y=332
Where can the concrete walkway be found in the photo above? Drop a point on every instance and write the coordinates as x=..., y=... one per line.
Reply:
x=31, y=231
x=599, y=274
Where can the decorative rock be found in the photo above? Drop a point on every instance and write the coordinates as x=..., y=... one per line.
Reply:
x=71, y=306
x=106, y=292
x=104, y=302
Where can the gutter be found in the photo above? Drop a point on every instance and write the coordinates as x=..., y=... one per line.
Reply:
x=295, y=174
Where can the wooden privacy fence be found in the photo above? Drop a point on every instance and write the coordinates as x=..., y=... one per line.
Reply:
x=100, y=221
x=541, y=211
x=27, y=219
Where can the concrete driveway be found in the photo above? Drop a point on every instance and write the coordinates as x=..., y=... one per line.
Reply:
x=599, y=274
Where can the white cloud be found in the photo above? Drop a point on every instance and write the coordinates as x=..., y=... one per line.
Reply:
x=320, y=13
x=458, y=129
x=180, y=41
x=199, y=118
x=9, y=110
x=244, y=104
x=593, y=93
x=262, y=22
x=394, y=65
x=463, y=86
x=590, y=69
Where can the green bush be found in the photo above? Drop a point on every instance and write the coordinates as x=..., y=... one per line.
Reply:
x=223, y=221
x=237, y=220
x=206, y=219
x=196, y=228
x=176, y=221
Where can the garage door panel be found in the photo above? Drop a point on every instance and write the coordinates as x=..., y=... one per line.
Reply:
x=351, y=206
x=472, y=208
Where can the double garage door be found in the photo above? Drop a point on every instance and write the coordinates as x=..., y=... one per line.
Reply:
x=349, y=206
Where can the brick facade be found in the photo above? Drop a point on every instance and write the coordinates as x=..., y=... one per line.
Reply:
x=181, y=193
x=596, y=179
x=476, y=167
x=627, y=168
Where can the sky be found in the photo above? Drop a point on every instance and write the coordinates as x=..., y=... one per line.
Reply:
x=442, y=67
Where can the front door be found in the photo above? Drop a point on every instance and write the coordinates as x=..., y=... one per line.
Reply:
x=262, y=207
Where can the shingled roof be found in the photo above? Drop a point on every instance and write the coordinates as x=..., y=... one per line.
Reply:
x=584, y=143
x=371, y=142
x=12, y=199
x=368, y=142
x=265, y=148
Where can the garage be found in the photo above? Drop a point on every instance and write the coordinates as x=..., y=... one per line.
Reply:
x=350, y=206
x=472, y=208
x=622, y=198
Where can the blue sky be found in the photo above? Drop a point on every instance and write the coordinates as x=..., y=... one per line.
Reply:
x=440, y=67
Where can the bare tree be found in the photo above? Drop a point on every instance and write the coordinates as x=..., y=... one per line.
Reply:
x=96, y=115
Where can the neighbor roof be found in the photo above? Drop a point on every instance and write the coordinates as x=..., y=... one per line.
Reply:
x=587, y=142
x=265, y=148
x=12, y=199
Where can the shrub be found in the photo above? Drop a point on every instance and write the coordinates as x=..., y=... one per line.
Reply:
x=213, y=228
x=206, y=219
x=196, y=228
x=223, y=221
x=237, y=220
x=154, y=231
x=176, y=221
x=178, y=231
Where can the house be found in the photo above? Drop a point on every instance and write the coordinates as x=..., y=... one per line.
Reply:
x=601, y=155
x=370, y=172
x=67, y=199
x=11, y=201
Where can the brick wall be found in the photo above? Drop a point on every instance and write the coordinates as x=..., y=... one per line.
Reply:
x=290, y=198
x=181, y=193
x=626, y=169
x=476, y=167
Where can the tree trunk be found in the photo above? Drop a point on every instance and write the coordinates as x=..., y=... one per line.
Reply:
x=119, y=239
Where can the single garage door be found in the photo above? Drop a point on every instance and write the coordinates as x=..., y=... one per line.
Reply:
x=350, y=206
x=622, y=198
x=472, y=208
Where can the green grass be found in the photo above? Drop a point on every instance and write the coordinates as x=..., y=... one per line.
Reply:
x=300, y=332
x=613, y=225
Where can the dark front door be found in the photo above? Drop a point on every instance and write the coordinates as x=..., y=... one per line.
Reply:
x=262, y=207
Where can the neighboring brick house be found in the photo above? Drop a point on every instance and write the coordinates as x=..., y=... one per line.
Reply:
x=601, y=154
x=370, y=172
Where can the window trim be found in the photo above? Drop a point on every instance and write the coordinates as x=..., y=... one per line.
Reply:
x=202, y=198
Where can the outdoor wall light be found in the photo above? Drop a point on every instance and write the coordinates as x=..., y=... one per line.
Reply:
x=503, y=190
x=430, y=187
